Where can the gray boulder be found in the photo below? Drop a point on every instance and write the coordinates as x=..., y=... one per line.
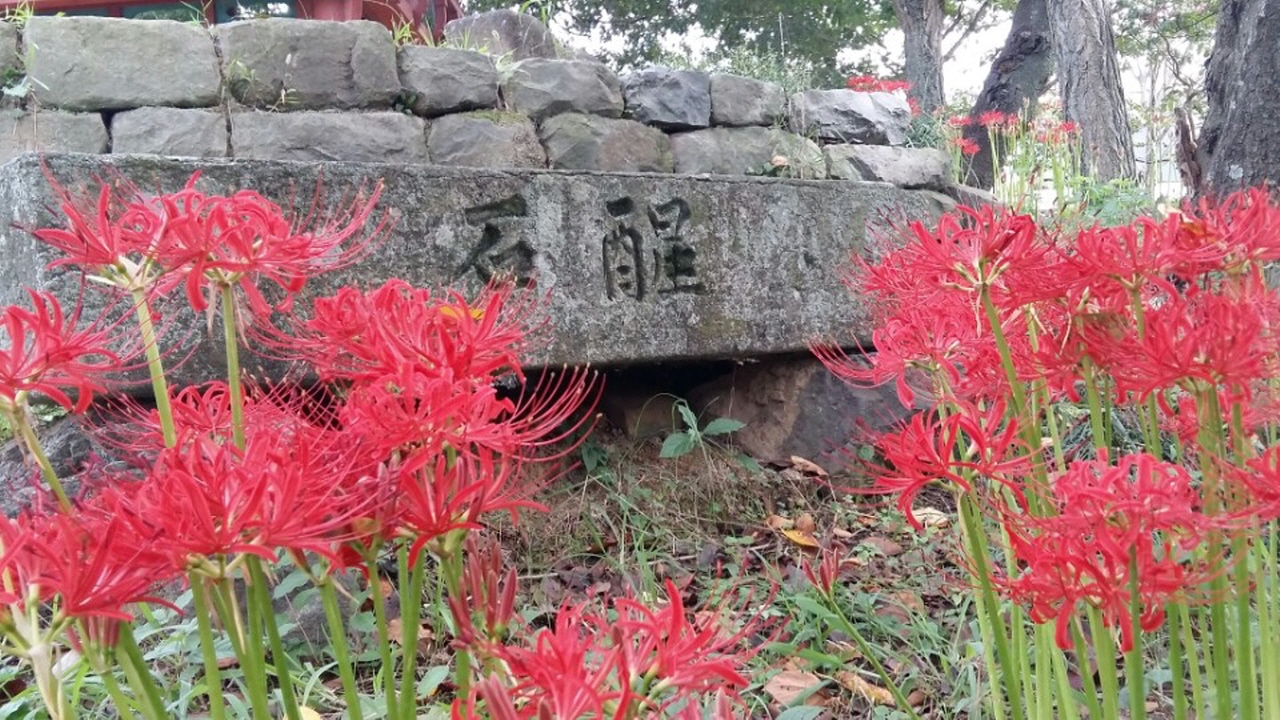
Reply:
x=590, y=142
x=904, y=167
x=443, y=80
x=971, y=196
x=485, y=139
x=499, y=32
x=286, y=64
x=50, y=131
x=66, y=444
x=847, y=116
x=747, y=151
x=10, y=61
x=543, y=88
x=170, y=131
x=669, y=99
x=355, y=137
x=739, y=101
x=93, y=63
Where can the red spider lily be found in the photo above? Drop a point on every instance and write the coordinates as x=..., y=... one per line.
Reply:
x=567, y=673
x=49, y=354
x=973, y=248
x=1241, y=226
x=486, y=591
x=829, y=568
x=685, y=659
x=1140, y=514
x=992, y=118
x=966, y=146
x=1136, y=255
x=867, y=83
x=959, y=121
x=967, y=443
x=91, y=565
x=93, y=239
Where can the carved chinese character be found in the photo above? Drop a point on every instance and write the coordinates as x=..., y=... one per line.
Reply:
x=503, y=249
x=624, y=256
x=641, y=258
x=675, y=257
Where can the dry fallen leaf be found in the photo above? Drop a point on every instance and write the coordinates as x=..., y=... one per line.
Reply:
x=395, y=631
x=807, y=466
x=841, y=534
x=883, y=545
x=933, y=517
x=788, y=685
x=308, y=714
x=806, y=524
x=802, y=539
x=863, y=689
x=777, y=522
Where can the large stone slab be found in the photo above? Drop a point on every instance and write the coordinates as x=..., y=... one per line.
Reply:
x=747, y=151
x=50, y=131
x=848, y=116
x=904, y=167
x=669, y=99
x=170, y=131
x=10, y=63
x=739, y=101
x=441, y=80
x=485, y=139
x=503, y=32
x=285, y=64
x=590, y=142
x=542, y=88
x=634, y=267
x=94, y=63
x=339, y=136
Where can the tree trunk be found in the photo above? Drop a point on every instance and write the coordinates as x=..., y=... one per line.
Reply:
x=921, y=22
x=1089, y=78
x=1240, y=139
x=1018, y=76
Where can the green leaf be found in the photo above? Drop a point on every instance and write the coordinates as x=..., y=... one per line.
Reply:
x=723, y=426
x=690, y=420
x=813, y=607
x=294, y=580
x=677, y=445
x=805, y=712
x=430, y=682
x=362, y=622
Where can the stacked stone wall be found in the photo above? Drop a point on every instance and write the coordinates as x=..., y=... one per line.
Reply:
x=322, y=91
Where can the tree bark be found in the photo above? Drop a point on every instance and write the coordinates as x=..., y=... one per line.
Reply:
x=921, y=22
x=1089, y=78
x=1240, y=139
x=1018, y=77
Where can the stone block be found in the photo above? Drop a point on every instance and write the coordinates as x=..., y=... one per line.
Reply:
x=971, y=196
x=798, y=407
x=286, y=64
x=50, y=131
x=95, y=63
x=503, y=32
x=904, y=167
x=542, y=88
x=591, y=142
x=346, y=136
x=669, y=99
x=633, y=268
x=485, y=139
x=738, y=101
x=10, y=62
x=747, y=151
x=444, y=80
x=848, y=116
x=170, y=131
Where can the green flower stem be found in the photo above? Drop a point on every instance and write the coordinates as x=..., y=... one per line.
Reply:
x=153, y=706
x=1269, y=630
x=451, y=570
x=1176, y=670
x=22, y=423
x=1066, y=695
x=233, y=365
x=990, y=606
x=410, y=612
x=124, y=705
x=1104, y=649
x=159, y=385
x=870, y=656
x=253, y=661
x=224, y=603
x=1211, y=442
x=341, y=655
x=1135, y=675
x=1198, y=702
x=208, y=651
x=279, y=659
x=384, y=642
x=1043, y=677
x=1085, y=672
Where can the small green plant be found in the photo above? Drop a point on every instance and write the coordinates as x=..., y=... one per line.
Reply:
x=682, y=442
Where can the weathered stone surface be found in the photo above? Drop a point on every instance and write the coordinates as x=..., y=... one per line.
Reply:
x=67, y=446
x=50, y=131
x=445, y=80
x=635, y=268
x=589, y=142
x=287, y=64
x=10, y=62
x=747, y=151
x=797, y=407
x=904, y=167
x=499, y=32
x=641, y=414
x=486, y=140
x=971, y=196
x=170, y=131
x=351, y=137
x=667, y=98
x=542, y=88
x=848, y=116
x=738, y=101
x=93, y=63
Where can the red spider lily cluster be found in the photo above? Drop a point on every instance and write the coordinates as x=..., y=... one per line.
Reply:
x=412, y=446
x=870, y=84
x=1165, y=332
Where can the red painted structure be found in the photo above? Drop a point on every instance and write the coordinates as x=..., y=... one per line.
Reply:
x=422, y=14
